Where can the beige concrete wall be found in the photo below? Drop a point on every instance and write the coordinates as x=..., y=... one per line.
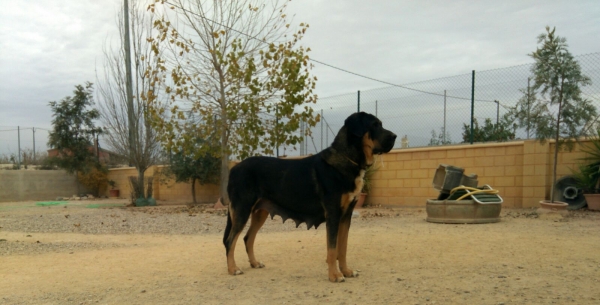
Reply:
x=164, y=189
x=520, y=170
x=21, y=185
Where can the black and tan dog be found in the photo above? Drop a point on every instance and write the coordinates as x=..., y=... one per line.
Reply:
x=316, y=189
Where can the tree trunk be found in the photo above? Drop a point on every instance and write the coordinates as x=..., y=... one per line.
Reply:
x=149, y=189
x=194, y=191
x=140, y=183
x=224, y=168
x=77, y=184
x=556, y=138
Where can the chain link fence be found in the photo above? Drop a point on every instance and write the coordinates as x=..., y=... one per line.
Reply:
x=419, y=113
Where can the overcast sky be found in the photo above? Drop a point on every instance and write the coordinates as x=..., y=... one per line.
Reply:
x=47, y=47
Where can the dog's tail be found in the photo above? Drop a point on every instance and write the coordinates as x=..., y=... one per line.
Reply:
x=227, y=228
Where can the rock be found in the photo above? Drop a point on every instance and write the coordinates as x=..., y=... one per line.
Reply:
x=90, y=196
x=59, y=199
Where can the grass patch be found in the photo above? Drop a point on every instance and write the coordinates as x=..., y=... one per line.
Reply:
x=50, y=203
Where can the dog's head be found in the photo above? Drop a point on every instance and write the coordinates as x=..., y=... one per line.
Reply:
x=368, y=128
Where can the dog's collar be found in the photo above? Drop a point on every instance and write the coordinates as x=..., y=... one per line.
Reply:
x=351, y=161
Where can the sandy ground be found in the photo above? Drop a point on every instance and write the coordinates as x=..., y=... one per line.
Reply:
x=402, y=259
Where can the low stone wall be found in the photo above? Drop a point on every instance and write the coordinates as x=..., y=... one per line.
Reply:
x=520, y=170
x=21, y=185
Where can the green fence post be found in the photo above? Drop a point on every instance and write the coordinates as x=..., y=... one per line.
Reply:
x=472, y=102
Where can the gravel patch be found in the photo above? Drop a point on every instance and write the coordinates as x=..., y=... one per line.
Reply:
x=125, y=220
x=164, y=220
x=184, y=220
x=22, y=247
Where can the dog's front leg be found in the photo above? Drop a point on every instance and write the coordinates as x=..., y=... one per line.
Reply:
x=333, y=223
x=342, y=246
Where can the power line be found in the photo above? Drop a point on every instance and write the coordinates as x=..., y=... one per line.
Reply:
x=326, y=64
x=25, y=128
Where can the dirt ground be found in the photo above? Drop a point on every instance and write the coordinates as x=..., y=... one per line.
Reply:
x=524, y=259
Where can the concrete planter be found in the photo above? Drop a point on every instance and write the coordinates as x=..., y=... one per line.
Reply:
x=462, y=211
x=556, y=205
x=593, y=201
x=113, y=193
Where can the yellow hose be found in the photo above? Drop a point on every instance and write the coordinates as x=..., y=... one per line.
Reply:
x=472, y=191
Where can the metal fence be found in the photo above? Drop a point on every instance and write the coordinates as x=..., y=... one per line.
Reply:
x=415, y=110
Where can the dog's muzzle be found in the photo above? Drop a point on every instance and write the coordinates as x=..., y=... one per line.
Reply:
x=389, y=139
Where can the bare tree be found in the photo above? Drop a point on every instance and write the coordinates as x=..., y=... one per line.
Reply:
x=236, y=71
x=112, y=95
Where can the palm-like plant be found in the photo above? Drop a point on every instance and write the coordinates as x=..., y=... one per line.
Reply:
x=588, y=175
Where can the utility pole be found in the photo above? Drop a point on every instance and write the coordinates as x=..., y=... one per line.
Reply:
x=321, y=129
x=444, y=131
x=302, y=135
x=129, y=82
x=358, y=101
x=528, y=106
x=497, y=112
x=19, y=147
x=472, y=104
x=327, y=134
x=33, y=144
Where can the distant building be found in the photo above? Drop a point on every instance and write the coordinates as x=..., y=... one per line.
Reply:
x=104, y=156
x=404, y=143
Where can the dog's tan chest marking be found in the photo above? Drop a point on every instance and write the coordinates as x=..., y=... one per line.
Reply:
x=358, y=183
x=368, y=145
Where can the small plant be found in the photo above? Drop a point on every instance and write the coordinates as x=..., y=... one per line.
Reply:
x=112, y=184
x=368, y=178
x=95, y=179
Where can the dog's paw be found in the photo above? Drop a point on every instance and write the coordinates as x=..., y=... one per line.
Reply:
x=236, y=271
x=257, y=265
x=339, y=279
x=350, y=273
x=336, y=277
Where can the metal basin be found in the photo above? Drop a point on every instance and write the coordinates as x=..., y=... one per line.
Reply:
x=462, y=211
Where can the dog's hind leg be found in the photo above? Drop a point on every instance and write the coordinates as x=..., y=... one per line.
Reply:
x=332, y=225
x=236, y=221
x=257, y=219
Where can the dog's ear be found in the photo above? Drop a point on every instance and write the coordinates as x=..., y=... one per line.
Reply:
x=356, y=124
